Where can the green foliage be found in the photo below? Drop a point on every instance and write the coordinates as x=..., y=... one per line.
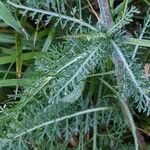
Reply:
x=126, y=19
x=6, y=16
x=71, y=92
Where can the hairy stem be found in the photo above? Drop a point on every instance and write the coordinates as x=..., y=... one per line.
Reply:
x=120, y=68
x=106, y=17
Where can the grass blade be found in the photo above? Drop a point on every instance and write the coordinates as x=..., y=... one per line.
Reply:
x=140, y=42
x=7, y=17
x=48, y=40
x=26, y=56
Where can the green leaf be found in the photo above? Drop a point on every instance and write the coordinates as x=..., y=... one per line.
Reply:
x=26, y=56
x=7, y=38
x=140, y=42
x=48, y=40
x=147, y=2
x=14, y=82
x=120, y=8
x=7, y=17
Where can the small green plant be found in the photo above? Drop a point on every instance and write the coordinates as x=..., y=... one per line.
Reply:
x=83, y=86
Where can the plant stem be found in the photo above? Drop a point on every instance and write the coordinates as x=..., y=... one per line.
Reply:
x=18, y=56
x=106, y=17
x=120, y=68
